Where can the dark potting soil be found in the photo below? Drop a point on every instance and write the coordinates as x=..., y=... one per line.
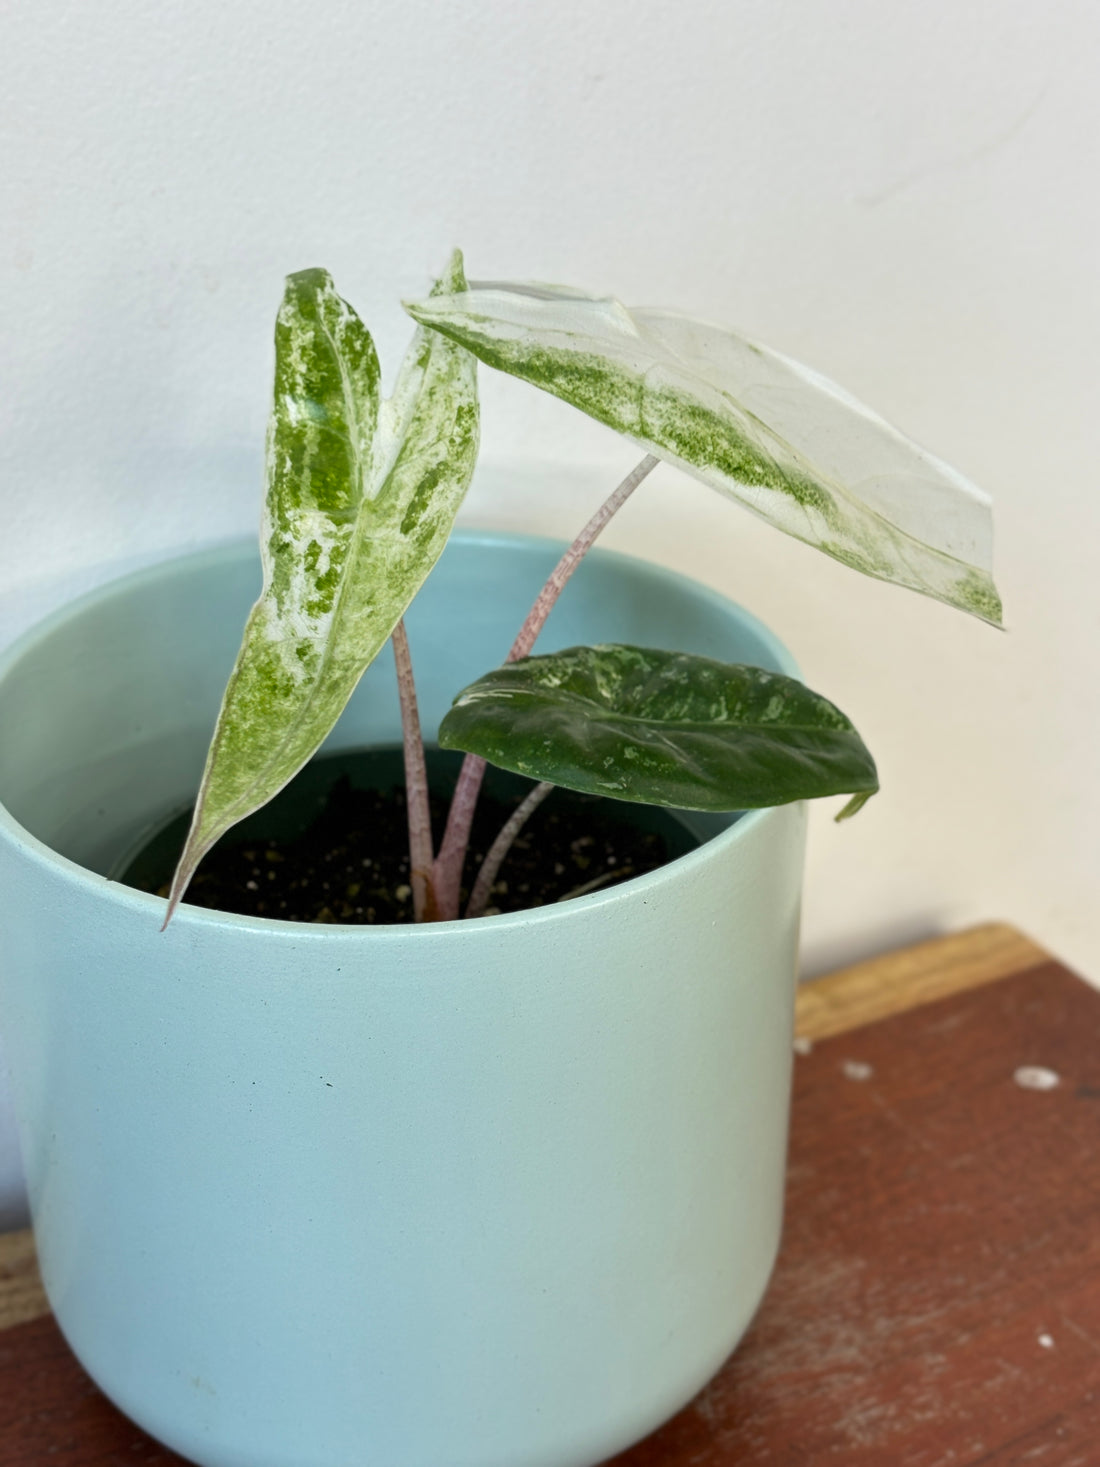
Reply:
x=333, y=845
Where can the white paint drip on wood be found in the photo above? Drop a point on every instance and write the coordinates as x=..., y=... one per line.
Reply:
x=1036, y=1077
x=857, y=1070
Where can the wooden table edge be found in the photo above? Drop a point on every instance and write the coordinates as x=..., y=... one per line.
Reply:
x=835, y=1004
x=22, y=1296
x=902, y=980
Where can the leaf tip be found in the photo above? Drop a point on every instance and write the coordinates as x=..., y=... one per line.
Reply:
x=452, y=279
x=855, y=804
x=309, y=282
x=195, y=847
x=181, y=879
x=976, y=593
x=418, y=310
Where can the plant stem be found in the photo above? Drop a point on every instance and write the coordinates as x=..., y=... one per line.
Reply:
x=421, y=876
x=447, y=871
x=483, y=886
x=544, y=602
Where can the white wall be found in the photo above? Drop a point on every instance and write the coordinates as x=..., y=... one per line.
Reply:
x=904, y=196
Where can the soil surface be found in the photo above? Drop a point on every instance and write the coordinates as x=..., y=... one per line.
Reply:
x=333, y=846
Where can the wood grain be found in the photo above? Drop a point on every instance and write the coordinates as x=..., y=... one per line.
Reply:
x=51, y=1413
x=22, y=1296
x=904, y=980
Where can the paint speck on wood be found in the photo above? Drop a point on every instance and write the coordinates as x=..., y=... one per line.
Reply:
x=1036, y=1077
x=857, y=1070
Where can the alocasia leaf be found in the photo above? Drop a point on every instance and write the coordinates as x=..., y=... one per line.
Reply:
x=785, y=442
x=661, y=728
x=361, y=497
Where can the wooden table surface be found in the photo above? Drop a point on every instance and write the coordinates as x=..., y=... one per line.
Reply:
x=937, y=1297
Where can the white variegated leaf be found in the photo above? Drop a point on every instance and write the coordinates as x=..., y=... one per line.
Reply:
x=361, y=498
x=782, y=440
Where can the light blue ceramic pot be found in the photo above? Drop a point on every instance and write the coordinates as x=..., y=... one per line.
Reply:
x=500, y=1193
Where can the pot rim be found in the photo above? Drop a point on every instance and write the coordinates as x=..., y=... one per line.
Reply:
x=147, y=905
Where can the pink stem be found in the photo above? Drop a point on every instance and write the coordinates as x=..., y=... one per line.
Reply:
x=447, y=871
x=421, y=877
x=483, y=886
x=544, y=602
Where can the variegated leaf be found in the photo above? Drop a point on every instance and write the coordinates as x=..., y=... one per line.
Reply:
x=661, y=728
x=784, y=441
x=361, y=498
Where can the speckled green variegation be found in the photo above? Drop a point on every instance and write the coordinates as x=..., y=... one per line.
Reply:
x=783, y=441
x=662, y=728
x=361, y=497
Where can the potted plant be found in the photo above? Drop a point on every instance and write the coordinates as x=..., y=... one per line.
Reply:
x=502, y=1190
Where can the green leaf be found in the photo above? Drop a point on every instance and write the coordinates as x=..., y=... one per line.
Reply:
x=361, y=498
x=661, y=728
x=783, y=441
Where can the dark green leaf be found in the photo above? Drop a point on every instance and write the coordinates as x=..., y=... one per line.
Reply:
x=661, y=728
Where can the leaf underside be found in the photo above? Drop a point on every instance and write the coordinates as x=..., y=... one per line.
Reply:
x=782, y=440
x=361, y=497
x=661, y=728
